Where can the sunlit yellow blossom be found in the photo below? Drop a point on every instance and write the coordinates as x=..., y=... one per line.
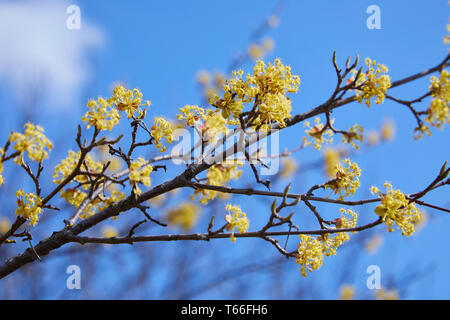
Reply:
x=101, y=115
x=354, y=136
x=129, y=101
x=214, y=127
x=439, y=112
x=109, y=232
x=309, y=254
x=33, y=142
x=396, y=208
x=346, y=181
x=236, y=219
x=373, y=82
x=161, y=129
x=5, y=225
x=387, y=130
x=191, y=114
x=374, y=243
x=332, y=157
x=347, y=292
x=218, y=175
x=348, y=219
x=68, y=165
x=259, y=50
x=203, y=77
x=372, y=138
x=318, y=134
x=29, y=206
x=447, y=37
x=288, y=167
x=185, y=215
x=140, y=173
x=383, y=294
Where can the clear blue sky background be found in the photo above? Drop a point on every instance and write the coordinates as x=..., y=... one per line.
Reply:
x=160, y=46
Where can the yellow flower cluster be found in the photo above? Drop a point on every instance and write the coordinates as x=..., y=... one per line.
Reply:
x=129, y=101
x=383, y=294
x=101, y=115
x=211, y=84
x=332, y=157
x=5, y=225
x=439, y=111
x=109, y=232
x=191, y=114
x=29, y=206
x=267, y=87
x=105, y=114
x=354, y=136
x=161, y=129
x=347, y=292
x=33, y=142
x=346, y=181
x=67, y=165
x=311, y=250
x=214, y=127
x=218, y=175
x=396, y=208
x=236, y=219
x=289, y=167
x=140, y=173
x=259, y=50
x=374, y=82
x=185, y=215
x=317, y=133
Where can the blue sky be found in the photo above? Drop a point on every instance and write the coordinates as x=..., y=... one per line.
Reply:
x=160, y=46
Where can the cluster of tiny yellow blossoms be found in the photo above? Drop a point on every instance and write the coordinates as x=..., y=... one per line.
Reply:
x=259, y=50
x=185, y=215
x=332, y=157
x=346, y=181
x=109, y=232
x=288, y=168
x=347, y=292
x=5, y=225
x=129, y=101
x=374, y=82
x=33, y=142
x=395, y=207
x=317, y=133
x=214, y=126
x=192, y=114
x=311, y=250
x=101, y=115
x=161, y=129
x=68, y=165
x=218, y=175
x=267, y=87
x=354, y=136
x=104, y=114
x=236, y=219
x=140, y=173
x=383, y=294
x=29, y=206
x=439, y=111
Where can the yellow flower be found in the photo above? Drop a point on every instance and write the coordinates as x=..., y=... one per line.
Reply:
x=346, y=181
x=374, y=82
x=309, y=254
x=161, y=129
x=101, y=115
x=5, y=225
x=236, y=219
x=396, y=208
x=347, y=292
x=218, y=175
x=373, y=138
x=185, y=215
x=317, y=133
x=129, y=101
x=439, y=112
x=388, y=130
x=332, y=157
x=354, y=136
x=140, y=173
x=191, y=114
x=289, y=167
x=109, y=232
x=383, y=294
x=33, y=142
x=28, y=206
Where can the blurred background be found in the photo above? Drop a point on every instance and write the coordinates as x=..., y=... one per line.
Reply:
x=177, y=53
